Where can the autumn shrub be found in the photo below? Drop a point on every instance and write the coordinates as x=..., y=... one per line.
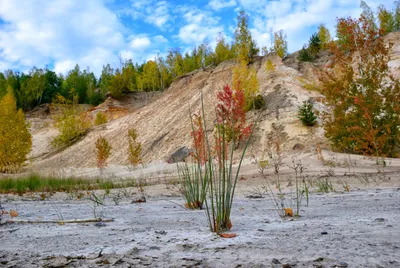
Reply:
x=217, y=169
x=15, y=138
x=306, y=114
x=70, y=121
x=362, y=92
x=103, y=151
x=101, y=118
x=134, y=148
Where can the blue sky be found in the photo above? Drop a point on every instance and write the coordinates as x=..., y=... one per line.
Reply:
x=92, y=33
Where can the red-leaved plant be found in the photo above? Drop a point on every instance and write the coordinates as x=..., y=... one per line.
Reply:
x=231, y=115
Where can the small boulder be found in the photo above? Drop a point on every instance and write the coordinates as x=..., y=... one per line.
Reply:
x=180, y=155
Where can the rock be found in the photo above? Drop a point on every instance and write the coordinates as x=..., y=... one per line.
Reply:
x=342, y=264
x=286, y=265
x=276, y=261
x=298, y=147
x=180, y=155
x=100, y=224
x=59, y=262
x=324, y=233
x=379, y=219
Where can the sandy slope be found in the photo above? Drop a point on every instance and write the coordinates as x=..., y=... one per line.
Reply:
x=164, y=126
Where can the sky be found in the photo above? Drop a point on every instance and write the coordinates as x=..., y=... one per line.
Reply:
x=59, y=34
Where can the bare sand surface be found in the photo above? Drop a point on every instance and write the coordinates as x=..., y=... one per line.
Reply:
x=360, y=228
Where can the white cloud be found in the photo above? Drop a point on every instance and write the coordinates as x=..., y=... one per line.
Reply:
x=151, y=11
x=200, y=26
x=63, y=32
x=220, y=4
x=140, y=43
x=299, y=18
x=195, y=34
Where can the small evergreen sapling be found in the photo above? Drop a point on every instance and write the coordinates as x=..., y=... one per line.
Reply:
x=306, y=114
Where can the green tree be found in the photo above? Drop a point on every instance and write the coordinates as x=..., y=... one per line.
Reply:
x=368, y=14
x=15, y=138
x=245, y=47
x=314, y=45
x=386, y=20
x=324, y=36
x=165, y=75
x=396, y=16
x=222, y=50
x=3, y=85
x=52, y=86
x=117, y=85
x=280, y=44
x=174, y=62
x=151, y=76
x=105, y=79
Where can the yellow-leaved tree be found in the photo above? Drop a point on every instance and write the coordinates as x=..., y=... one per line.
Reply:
x=15, y=138
x=245, y=78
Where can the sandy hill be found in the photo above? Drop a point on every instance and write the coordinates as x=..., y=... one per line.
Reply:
x=163, y=123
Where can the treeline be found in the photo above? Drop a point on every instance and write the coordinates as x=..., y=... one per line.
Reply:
x=42, y=85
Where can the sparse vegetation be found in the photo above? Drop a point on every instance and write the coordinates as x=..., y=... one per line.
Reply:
x=134, y=148
x=324, y=185
x=101, y=118
x=103, y=151
x=71, y=122
x=38, y=183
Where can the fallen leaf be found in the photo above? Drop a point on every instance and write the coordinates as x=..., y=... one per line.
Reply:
x=224, y=235
x=242, y=179
x=4, y=212
x=288, y=212
x=13, y=213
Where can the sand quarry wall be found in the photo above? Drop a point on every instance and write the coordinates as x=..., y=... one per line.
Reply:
x=163, y=122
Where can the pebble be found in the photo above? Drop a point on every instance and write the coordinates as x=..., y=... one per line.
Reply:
x=379, y=219
x=324, y=233
x=276, y=261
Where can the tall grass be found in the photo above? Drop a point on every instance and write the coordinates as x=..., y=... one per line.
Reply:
x=193, y=184
x=38, y=183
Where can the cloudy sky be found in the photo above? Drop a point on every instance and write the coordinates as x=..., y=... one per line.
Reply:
x=60, y=33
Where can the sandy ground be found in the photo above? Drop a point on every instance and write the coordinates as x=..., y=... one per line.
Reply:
x=360, y=228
